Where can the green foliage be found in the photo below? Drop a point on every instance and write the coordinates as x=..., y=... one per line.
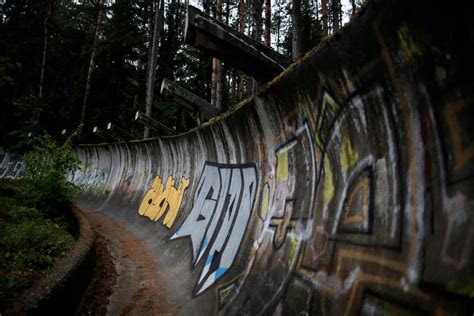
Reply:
x=31, y=240
x=45, y=186
x=463, y=287
x=30, y=244
x=6, y=68
x=28, y=109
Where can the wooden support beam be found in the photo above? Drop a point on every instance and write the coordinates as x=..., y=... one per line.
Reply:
x=189, y=100
x=103, y=134
x=118, y=132
x=153, y=124
x=232, y=47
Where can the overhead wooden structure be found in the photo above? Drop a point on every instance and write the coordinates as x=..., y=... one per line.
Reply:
x=118, y=132
x=103, y=134
x=153, y=124
x=188, y=99
x=232, y=47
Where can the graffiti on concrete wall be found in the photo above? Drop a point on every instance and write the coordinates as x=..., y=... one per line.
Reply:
x=390, y=230
x=89, y=177
x=362, y=245
x=222, y=206
x=286, y=218
x=163, y=199
x=366, y=165
x=359, y=214
x=11, y=166
x=289, y=208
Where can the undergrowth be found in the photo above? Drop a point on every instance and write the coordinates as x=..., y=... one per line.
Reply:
x=30, y=244
x=34, y=231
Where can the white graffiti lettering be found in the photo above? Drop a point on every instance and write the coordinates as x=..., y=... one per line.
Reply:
x=223, y=203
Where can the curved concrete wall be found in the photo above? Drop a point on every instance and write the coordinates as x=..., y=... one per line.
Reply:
x=345, y=187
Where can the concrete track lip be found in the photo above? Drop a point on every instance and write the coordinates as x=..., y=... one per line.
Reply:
x=139, y=289
x=42, y=296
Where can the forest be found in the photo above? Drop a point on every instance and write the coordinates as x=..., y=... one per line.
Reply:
x=71, y=65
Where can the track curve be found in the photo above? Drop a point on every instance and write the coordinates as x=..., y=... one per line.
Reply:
x=344, y=187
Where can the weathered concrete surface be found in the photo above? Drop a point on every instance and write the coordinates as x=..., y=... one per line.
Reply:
x=345, y=187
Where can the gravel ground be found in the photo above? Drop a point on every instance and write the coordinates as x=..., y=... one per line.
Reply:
x=97, y=295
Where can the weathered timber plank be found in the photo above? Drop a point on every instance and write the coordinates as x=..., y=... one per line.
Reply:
x=232, y=47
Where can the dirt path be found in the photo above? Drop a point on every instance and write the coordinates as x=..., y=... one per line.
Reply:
x=137, y=290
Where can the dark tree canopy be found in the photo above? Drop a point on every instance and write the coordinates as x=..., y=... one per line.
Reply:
x=117, y=85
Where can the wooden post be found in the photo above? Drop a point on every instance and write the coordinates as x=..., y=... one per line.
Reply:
x=152, y=123
x=188, y=99
x=103, y=134
x=118, y=132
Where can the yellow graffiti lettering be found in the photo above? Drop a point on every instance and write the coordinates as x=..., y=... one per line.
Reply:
x=282, y=166
x=293, y=245
x=265, y=203
x=407, y=44
x=328, y=184
x=348, y=156
x=161, y=198
x=150, y=196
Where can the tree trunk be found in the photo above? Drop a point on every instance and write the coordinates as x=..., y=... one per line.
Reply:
x=336, y=12
x=324, y=12
x=296, y=29
x=315, y=3
x=353, y=7
x=278, y=26
x=227, y=13
x=91, y=67
x=268, y=22
x=216, y=82
x=45, y=49
x=152, y=59
x=257, y=19
x=240, y=85
x=219, y=85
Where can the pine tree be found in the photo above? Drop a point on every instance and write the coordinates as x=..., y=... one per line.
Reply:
x=296, y=29
x=216, y=88
x=153, y=55
x=90, y=70
x=45, y=49
x=268, y=22
x=324, y=13
x=240, y=85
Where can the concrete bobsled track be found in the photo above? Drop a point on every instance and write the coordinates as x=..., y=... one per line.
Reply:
x=346, y=186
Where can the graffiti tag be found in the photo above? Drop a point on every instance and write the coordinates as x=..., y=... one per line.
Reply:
x=11, y=167
x=161, y=199
x=222, y=205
